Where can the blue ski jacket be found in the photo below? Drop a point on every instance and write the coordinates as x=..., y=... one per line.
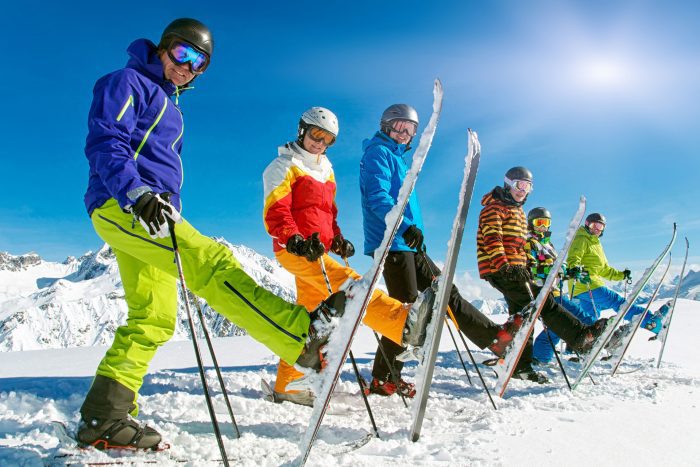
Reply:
x=382, y=172
x=134, y=133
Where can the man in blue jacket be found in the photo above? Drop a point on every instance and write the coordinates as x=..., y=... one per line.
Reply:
x=408, y=270
x=133, y=149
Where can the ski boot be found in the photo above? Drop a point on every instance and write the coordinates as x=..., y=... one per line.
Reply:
x=654, y=321
x=525, y=372
x=584, y=343
x=418, y=318
x=505, y=334
x=388, y=388
x=320, y=329
x=125, y=433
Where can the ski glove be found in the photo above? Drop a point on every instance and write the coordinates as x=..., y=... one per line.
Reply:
x=627, y=274
x=154, y=212
x=342, y=247
x=312, y=248
x=413, y=237
x=579, y=273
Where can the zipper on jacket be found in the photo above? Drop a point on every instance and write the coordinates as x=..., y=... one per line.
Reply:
x=148, y=133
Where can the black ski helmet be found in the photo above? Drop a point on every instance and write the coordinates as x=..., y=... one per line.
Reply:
x=519, y=173
x=596, y=217
x=537, y=213
x=191, y=31
x=397, y=112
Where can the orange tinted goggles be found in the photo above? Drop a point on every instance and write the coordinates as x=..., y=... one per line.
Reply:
x=542, y=222
x=320, y=135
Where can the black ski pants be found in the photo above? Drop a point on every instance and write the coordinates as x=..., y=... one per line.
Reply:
x=406, y=274
x=557, y=319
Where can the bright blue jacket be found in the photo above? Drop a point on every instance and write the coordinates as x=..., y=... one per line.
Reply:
x=134, y=133
x=382, y=171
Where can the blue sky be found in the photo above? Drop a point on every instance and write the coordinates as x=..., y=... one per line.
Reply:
x=596, y=98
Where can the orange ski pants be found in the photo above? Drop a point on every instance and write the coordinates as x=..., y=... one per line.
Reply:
x=384, y=314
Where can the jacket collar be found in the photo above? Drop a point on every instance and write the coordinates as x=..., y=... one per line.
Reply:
x=382, y=139
x=143, y=57
x=292, y=149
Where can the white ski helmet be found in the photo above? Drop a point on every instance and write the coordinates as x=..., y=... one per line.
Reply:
x=319, y=117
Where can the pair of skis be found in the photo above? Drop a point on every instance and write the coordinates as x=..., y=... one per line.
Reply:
x=612, y=324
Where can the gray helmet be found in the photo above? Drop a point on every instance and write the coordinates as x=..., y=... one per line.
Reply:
x=191, y=31
x=397, y=112
x=537, y=213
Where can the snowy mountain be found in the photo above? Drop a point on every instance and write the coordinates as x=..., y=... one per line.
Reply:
x=80, y=302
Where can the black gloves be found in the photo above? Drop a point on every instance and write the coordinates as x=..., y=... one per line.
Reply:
x=413, y=237
x=515, y=273
x=578, y=273
x=312, y=248
x=342, y=247
x=153, y=212
x=627, y=274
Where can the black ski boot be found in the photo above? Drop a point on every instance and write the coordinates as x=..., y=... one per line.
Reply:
x=527, y=373
x=588, y=336
x=117, y=434
x=320, y=330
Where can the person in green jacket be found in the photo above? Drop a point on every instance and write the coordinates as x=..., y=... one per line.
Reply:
x=590, y=291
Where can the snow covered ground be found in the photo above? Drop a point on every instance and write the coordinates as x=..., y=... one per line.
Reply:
x=647, y=417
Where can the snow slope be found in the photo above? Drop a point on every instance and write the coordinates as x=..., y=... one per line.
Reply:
x=647, y=417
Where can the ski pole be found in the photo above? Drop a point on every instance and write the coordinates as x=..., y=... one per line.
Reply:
x=561, y=302
x=216, y=366
x=392, y=371
x=435, y=273
x=352, y=357
x=198, y=355
x=471, y=357
x=459, y=354
x=551, y=343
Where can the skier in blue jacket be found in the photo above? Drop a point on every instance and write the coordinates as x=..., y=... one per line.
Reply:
x=133, y=149
x=408, y=270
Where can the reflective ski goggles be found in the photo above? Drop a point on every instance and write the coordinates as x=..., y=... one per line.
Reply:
x=597, y=226
x=523, y=186
x=404, y=127
x=183, y=53
x=542, y=222
x=320, y=135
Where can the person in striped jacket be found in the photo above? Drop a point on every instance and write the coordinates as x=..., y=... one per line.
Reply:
x=501, y=238
x=300, y=215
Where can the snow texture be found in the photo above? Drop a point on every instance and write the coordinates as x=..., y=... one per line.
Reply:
x=656, y=411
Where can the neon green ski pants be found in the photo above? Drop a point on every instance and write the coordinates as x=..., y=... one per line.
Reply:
x=149, y=276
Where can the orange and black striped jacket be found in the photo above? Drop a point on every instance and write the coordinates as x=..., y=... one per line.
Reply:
x=502, y=232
